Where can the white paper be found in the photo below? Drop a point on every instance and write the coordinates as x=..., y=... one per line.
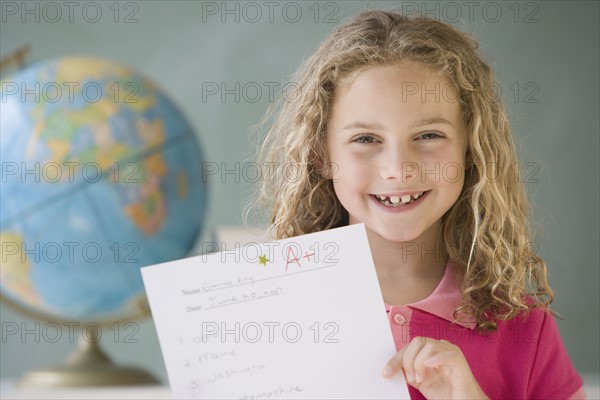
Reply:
x=307, y=322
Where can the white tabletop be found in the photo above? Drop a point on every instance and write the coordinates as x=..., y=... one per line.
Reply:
x=9, y=391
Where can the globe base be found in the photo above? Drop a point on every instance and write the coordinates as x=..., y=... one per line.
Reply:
x=87, y=366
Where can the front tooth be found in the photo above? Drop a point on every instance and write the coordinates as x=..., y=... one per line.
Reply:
x=395, y=199
x=406, y=198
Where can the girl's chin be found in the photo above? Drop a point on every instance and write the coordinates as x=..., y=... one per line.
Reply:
x=394, y=236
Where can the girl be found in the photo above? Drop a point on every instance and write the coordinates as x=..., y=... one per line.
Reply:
x=396, y=127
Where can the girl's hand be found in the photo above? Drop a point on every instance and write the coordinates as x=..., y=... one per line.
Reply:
x=437, y=368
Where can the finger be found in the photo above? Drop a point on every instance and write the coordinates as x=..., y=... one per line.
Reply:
x=408, y=362
x=428, y=351
x=394, y=365
x=441, y=358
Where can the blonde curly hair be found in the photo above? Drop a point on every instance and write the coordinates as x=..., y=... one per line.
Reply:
x=485, y=233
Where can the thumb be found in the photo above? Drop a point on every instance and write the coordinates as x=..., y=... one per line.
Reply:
x=394, y=365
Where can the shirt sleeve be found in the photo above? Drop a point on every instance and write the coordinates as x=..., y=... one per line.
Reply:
x=552, y=375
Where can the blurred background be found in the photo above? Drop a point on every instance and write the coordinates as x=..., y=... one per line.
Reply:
x=221, y=64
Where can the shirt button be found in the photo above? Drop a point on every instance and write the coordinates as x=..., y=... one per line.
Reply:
x=399, y=319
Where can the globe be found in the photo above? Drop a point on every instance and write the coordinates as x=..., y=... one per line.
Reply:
x=101, y=175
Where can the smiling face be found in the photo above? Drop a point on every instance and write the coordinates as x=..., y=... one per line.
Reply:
x=397, y=142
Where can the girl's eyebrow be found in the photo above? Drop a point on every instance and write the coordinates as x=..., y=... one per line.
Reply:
x=363, y=125
x=376, y=126
x=431, y=121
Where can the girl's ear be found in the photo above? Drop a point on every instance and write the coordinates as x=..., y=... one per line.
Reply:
x=321, y=165
x=468, y=159
x=328, y=170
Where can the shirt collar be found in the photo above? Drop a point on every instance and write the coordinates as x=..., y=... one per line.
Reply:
x=445, y=299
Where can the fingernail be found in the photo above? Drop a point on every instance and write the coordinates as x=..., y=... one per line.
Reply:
x=409, y=377
x=387, y=371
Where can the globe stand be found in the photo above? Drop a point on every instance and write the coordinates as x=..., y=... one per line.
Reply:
x=87, y=365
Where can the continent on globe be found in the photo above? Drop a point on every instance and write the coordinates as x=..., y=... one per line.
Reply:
x=101, y=175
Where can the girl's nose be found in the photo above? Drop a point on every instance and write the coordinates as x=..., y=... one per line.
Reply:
x=398, y=164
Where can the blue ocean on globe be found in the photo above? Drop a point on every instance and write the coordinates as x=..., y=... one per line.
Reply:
x=101, y=175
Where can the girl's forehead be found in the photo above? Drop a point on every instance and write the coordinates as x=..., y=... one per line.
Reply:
x=406, y=83
x=408, y=71
x=396, y=96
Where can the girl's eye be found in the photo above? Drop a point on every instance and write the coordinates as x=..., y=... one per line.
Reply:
x=430, y=135
x=365, y=139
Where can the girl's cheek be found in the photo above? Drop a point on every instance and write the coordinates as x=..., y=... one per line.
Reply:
x=362, y=154
x=443, y=158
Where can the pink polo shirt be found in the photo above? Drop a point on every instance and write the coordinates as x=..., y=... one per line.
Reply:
x=524, y=358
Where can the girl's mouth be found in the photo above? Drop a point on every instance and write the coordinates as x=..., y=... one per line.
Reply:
x=399, y=201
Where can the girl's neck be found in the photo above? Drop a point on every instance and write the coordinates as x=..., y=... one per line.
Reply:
x=409, y=271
